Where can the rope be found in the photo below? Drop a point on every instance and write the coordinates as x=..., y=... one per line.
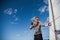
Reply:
x=51, y=22
x=56, y=19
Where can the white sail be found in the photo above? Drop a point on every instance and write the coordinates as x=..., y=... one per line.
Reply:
x=54, y=16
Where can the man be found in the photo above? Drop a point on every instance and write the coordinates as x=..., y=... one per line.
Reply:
x=37, y=28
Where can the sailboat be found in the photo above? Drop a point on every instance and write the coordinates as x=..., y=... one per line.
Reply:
x=54, y=18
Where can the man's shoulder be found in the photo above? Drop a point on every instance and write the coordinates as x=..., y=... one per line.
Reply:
x=39, y=23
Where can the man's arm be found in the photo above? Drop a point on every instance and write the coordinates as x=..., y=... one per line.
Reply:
x=49, y=24
x=44, y=24
x=31, y=26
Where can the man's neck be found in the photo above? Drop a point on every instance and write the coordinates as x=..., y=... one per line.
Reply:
x=37, y=22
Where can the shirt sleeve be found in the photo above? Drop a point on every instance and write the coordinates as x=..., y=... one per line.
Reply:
x=31, y=26
x=43, y=25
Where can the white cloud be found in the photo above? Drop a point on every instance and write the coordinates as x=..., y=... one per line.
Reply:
x=47, y=20
x=25, y=31
x=10, y=11
x=16, y=19
x=14, y=15
x=45, y=1
x=32, y=19
x=15, y=10
x=23, y=36
x=18, y=35
x=13, y=22
x=43, y=9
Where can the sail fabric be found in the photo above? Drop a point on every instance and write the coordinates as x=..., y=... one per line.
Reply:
x=54, y=7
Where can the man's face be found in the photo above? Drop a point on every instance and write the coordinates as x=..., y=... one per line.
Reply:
x=36, y=19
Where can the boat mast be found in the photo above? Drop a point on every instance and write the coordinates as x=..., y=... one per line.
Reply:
x=53, y=19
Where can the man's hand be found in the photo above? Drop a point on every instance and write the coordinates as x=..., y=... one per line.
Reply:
x=49, y=24
x=31, y=23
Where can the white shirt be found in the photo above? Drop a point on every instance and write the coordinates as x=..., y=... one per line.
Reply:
x=37, y=29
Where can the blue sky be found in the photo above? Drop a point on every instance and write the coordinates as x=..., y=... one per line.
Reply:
x=16, y=17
